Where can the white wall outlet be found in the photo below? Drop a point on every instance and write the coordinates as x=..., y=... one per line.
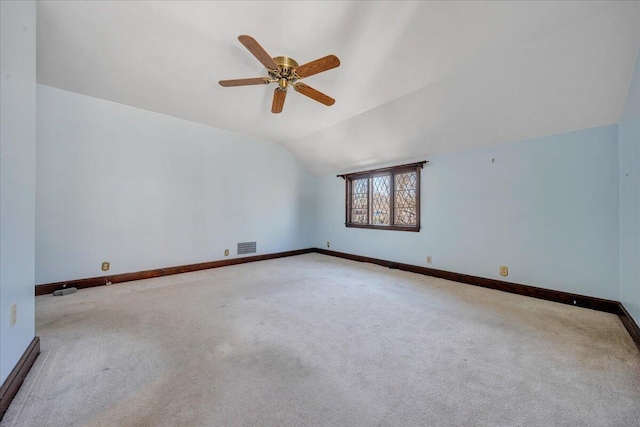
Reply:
x=226, y=252
x=428, y=260
x=328, y=244
x=14, y=314
x=504, y=270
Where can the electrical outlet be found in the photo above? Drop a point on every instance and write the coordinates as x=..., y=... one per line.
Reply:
x=105, y=266
x=328, y=244
x=226, y=252
x=428, y=260
x=14, y=314
x=504, y=271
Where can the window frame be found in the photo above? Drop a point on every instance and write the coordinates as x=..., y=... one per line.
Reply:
x=370, y=174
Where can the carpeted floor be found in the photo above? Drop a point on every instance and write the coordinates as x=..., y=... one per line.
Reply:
x=314, y=340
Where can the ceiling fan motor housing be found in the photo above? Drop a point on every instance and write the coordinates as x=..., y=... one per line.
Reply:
x=286, y=64
x=284, y=74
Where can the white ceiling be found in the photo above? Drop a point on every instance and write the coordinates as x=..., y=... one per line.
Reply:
x=417, y=78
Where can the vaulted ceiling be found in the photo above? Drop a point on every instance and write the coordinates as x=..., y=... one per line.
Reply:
x=417, y=78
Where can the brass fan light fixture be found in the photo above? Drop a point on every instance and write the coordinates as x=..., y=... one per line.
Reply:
x=286, y=72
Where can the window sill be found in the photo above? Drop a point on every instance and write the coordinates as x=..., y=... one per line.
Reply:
x=384, y=227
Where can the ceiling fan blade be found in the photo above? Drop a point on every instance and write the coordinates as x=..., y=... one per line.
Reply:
x=314, y=94
x=278, y=100
x=245, y=82
x=261, y=55
x=318, y=66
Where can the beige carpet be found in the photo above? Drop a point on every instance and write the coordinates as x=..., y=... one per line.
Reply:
x=314, y=340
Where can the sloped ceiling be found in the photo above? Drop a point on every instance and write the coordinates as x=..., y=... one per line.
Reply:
x=417, y=78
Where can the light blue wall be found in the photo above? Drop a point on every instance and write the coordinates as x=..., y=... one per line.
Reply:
x=629, y=134
x=547, y=208
x=17, y=178
x=143, y=190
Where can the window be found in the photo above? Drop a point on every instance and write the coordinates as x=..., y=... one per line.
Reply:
x=386, y=199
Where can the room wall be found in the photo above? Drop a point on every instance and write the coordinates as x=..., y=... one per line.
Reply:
x=547, y=208
x=17, y=178
x=629, y=141
x=144, y=190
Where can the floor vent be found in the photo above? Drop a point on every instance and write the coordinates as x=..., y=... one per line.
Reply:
x=246, y=248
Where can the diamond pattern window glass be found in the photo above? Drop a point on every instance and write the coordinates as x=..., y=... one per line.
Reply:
x=381, y=200
x=386, y=199
x=405, y=198
x=360, y=201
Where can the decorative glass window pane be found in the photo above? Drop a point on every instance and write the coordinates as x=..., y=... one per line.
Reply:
x=405, y=200
x=360, y=201
x=381, y=200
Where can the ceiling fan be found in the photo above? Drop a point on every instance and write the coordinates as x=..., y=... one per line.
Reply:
x=286, y=72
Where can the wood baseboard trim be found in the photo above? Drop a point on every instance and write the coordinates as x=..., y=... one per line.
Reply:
x=12, y=384
x=90, y=282
x=600, y=304
x=630, y=324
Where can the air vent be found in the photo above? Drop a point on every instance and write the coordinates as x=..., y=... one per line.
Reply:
x=246, y=248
